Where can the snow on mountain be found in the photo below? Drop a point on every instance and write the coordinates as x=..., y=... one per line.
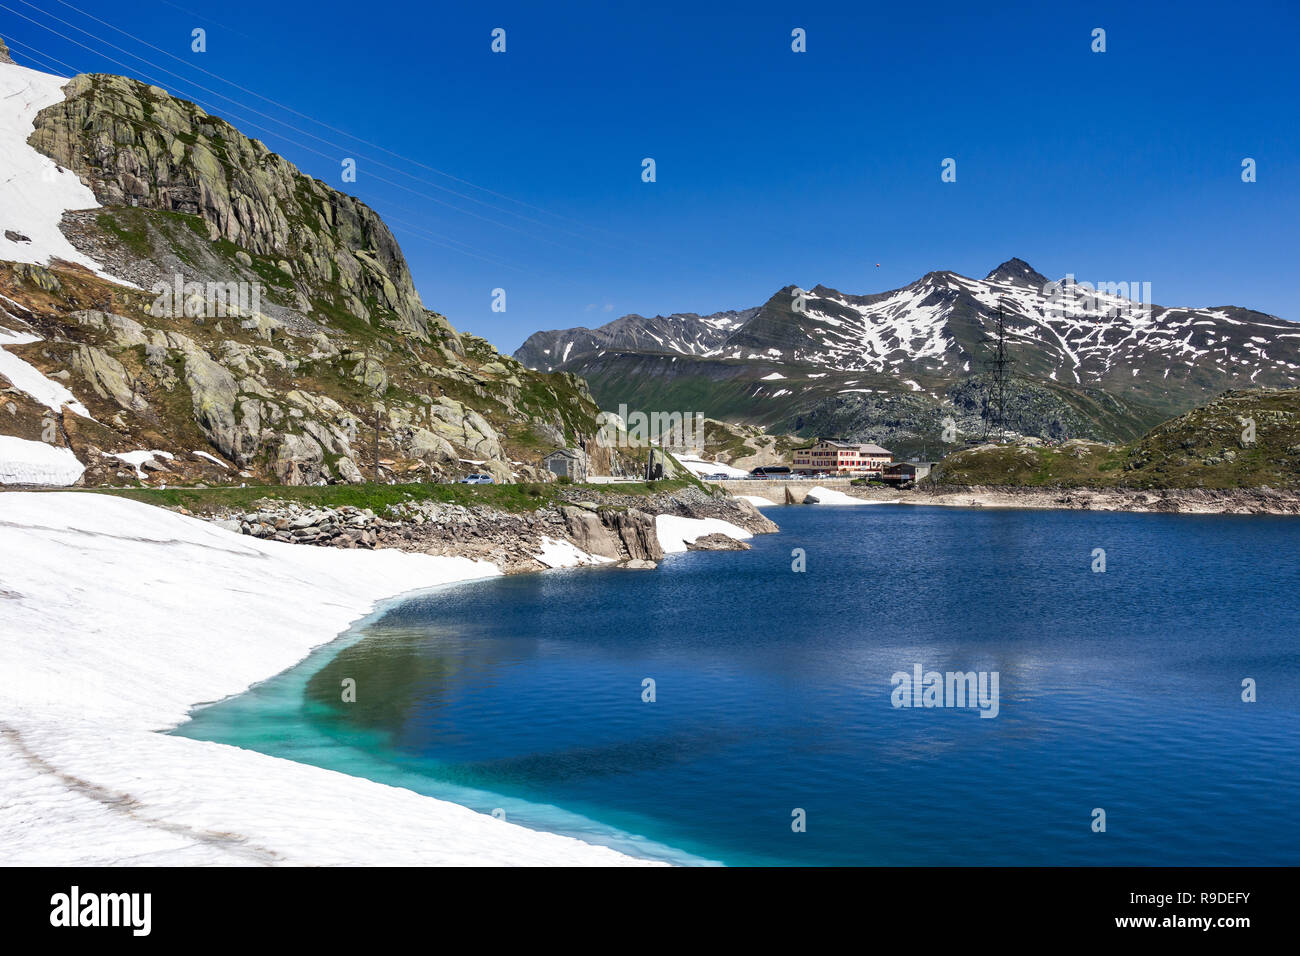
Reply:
x=849, y=334
x=940, y=324
x=28, y=378
x=32, y=462
x=34, y=191
x=683, y=333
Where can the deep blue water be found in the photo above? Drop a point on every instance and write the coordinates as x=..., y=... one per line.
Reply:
x=1119, y=690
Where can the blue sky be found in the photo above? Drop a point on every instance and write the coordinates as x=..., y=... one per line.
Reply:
x=772, y=167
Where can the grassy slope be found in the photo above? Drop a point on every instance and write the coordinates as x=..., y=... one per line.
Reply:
x=1203, y=448
x=1076, y=465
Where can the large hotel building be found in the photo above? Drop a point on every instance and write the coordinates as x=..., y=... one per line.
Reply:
x=842, y=458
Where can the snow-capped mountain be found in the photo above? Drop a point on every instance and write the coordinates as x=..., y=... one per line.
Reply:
x=1082, y=342
x=684, y=332
x=1069, y=332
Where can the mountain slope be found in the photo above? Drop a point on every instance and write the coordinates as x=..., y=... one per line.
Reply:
x=1104, y=365
x=180, y=304
x=685, y=333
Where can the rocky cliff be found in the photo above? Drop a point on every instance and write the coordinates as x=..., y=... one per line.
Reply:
x=137, y=146
x=265, y=328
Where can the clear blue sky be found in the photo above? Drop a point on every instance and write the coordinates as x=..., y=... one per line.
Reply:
x=773, y=167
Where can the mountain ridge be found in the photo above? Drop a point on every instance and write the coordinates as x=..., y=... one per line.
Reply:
x=1071, y=345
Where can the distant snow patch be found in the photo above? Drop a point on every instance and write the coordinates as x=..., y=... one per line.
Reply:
x=137, y=458
x=212, y=458
x=699, y=467
x=29, y=379
x=828, y=496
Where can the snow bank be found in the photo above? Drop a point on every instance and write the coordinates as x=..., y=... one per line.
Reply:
x=676, y=532
x=34, y=191
x=557, y=553
x=828, y=496
x=758, y=501
x=117, y=620
x=24, y=462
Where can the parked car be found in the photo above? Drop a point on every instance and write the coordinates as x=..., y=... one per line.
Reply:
x=477, y=479
x=717, y=476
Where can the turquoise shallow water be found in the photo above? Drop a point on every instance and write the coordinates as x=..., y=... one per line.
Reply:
x=1118, y=690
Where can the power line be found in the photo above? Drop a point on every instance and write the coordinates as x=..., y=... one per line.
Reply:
x=273, y=119
x=254, y=125
x=204, y=17
x=998, y=365
x=324, y=125
x=421, y=233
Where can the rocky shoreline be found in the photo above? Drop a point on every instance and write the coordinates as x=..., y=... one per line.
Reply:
x=1238, y=501
x=616, y=527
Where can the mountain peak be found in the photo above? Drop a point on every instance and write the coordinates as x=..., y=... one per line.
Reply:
x=4, y=52
x=1018, y=272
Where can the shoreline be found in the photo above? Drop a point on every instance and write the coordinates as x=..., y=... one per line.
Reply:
x=291, y=683
x=1199, y=501
x=88, y=777
x=584, y=526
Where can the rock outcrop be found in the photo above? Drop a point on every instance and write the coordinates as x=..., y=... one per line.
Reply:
x=138, y=146
x=613, y=533
x=589, y=533
x=267, y=328
x=717, y=542
x=636, y=532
